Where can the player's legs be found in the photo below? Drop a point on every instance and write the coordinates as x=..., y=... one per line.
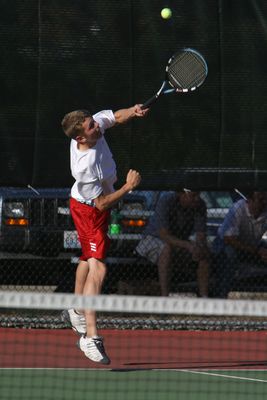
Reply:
x=89, y=281
x=91, y=344
x=92, y=227
x=81, y=276
x=77, y=317
x=92, y=287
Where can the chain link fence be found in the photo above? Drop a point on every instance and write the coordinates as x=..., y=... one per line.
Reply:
x=162, y=243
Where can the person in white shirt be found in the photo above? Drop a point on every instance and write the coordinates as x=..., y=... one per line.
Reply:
x=92, y=197
x=239, y=240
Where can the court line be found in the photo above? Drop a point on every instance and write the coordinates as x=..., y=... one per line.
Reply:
x=224, y=376
x=152, y=369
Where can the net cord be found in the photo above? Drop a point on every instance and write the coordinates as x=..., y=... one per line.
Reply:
x=133, y=304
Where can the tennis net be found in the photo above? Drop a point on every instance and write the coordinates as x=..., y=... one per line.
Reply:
x=160, y=348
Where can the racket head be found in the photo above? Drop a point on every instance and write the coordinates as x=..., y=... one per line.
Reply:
x=186, y=70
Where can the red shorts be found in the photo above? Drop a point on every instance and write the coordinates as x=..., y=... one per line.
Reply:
x=92, y=227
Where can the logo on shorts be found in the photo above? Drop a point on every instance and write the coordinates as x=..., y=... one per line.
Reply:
x=93, y=246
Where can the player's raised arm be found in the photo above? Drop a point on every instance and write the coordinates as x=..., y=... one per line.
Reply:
x=126, y=114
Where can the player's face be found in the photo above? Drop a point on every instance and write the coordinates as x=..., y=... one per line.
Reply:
x=91, y=130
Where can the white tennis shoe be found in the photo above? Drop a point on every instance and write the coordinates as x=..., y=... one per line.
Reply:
x=93, y=348
x=77, y=321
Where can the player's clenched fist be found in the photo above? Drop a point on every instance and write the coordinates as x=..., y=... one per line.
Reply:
x=133, y=179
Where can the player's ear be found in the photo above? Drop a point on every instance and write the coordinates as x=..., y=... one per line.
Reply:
x=80, y=139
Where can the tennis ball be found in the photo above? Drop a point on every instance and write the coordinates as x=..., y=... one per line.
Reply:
x=166, y=13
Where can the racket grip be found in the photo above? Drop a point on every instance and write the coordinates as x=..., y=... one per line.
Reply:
x=149, y=102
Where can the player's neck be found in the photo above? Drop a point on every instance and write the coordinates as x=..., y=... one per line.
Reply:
x=85, y=146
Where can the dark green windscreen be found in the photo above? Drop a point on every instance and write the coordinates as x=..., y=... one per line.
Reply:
x=61, y=55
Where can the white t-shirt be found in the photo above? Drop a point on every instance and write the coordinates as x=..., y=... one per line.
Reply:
x=94, y=170
x=239, y=222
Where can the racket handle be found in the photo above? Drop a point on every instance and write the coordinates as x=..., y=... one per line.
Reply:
x=149, y=102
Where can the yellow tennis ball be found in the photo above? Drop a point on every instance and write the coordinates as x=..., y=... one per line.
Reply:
x=166, y=13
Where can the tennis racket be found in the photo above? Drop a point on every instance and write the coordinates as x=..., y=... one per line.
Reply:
x=186, y=71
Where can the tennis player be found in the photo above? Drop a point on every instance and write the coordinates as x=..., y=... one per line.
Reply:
x=92, y=197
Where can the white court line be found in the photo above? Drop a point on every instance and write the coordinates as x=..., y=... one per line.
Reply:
x=224, y=376
x=153, y=369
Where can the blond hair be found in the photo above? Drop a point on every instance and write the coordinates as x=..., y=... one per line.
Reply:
x=72, y=122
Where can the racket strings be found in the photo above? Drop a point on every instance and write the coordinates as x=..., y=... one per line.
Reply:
x=187, y=71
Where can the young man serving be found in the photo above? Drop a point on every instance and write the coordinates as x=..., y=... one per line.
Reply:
x=92, y=197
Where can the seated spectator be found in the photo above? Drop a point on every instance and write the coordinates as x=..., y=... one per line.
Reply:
x=166, y=238
x=239, y=240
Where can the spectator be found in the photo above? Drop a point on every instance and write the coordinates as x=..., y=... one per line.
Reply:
x=167, y=235
x=239, y=240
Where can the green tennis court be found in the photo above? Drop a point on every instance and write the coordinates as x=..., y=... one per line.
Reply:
x=77, y=384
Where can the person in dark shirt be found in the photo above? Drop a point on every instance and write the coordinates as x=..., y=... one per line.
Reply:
x=177, y=216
